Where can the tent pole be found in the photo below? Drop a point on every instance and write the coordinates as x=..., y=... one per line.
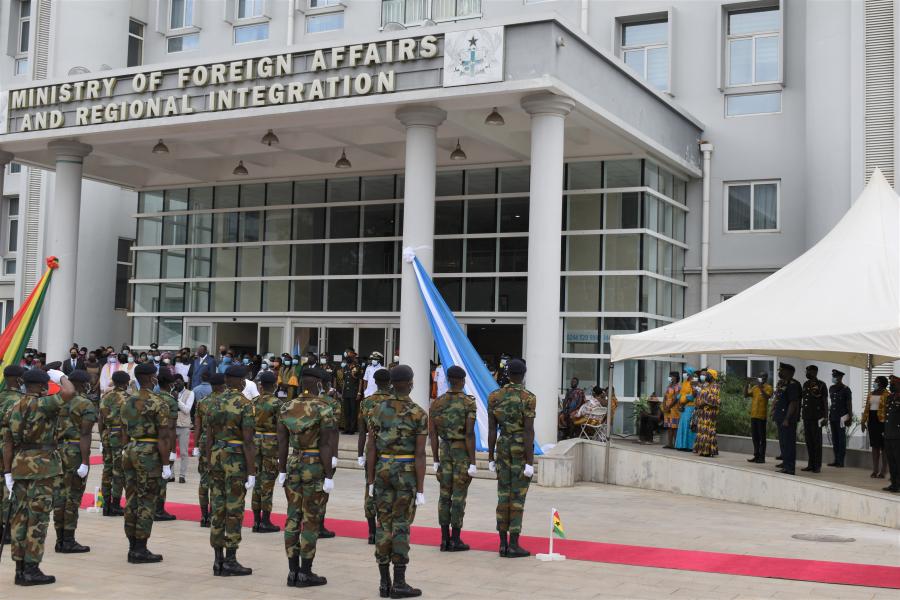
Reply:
x=868, y=375
x=609, y=420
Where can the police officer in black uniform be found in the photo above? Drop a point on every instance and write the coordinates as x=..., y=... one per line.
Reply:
x=814, y=412
x=352, y=391
x=839, y=416
x=892, y=433
x=787, y=413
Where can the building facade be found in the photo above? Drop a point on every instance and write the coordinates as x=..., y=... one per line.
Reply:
x=567, y=169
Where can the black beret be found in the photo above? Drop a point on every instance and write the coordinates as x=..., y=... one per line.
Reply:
x=401, y=374
x=313, y=372
x=382, y=376
x=788, y=366
x=54, y=365
x=13, y=371
x=35, y=376
x=456, y=372
x=812, y=368
x=121, y=377
x=836, y=373
x=79, y=376
x=145, y=369
x=165, y=377
x=516, y=367
x=236, y=371
x=267, y=377
x=217, y=379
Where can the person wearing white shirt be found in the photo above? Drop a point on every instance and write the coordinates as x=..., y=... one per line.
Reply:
x=183, y=424
x=251, y=391
x=369, y=377
x=440, y=380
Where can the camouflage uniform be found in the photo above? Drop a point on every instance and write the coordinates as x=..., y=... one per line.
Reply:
x=145, y=416
x=69, y=487
x=171, y=404
x=511, y=405
x=8, y=398
x=395, y=423
x=338, y=412
x=266, y=407
x=306, y=418
x=113, y=478
x=365, y=413
x=228, y=416
x=32, y=424
x=203, y=461
x=449, y=414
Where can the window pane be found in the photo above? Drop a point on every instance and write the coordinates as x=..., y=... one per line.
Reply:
x=150, y=202
x=200, y=198
x=24, y=39
x=177, y=14
x=377, y=295
x=250, y=262
x=224, y=262
x=448, y=217
x=201, y=262
x=199, y=297
x=513, y=254
x=278, y=225
x=654, y=32
x=379, y=187
x=248, y=296
x=343, y=259
x=135, y=50
x=173, y=264
x=635, y=60
x=583, y=294
x=482, y=216
x=309, y=223
x=448, y=256
x=307, y=296
x=740, y=61
x=309, y=192
x=327, y=22
x=481, y=181
x=342, y=295
x=658, y=67
x=344, y=222
x=582, y=335
x=149, y=231
x=378, y=220
x=738, y=207
x=622, y=210
x=513, y=215
x=222, y=299
x=147, y=264
x=174, y=229
x=480, y=294
x=225, y=227
x=513, y=292
x=765, y=206
x=736, y=368
x=143, y=331
x=121, y=286
x=176, y=200
x=146, y=297
x=309, y=259
x=378, y=257
x=752, y=21
x=12, y=236
x=135, y=28
x=275, y=296
x=753, y=104
x=585, y=212
x=172, y=297
x=622, y=173
x=515, y=179
x=251, y=33
x=448, y=183
x=766, y=59
x=481, y=255
x=620, y=293
x=762, y=366
x=585, y=175
x=277, y=260
x=279, y=193
x=226, y=196
x=584, y=252
x=253, y=194
x=451, y=290
x=182, y=43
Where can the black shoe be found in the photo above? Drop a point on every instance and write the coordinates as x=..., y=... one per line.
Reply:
x=20, y=567
x=515, y=550
x=807, y=468
x=306, y=578
x=293, y=570
x=833, y=464
x=325, y=533
x=231, y=567
x=371, y=531
x=445, y=538
x=266, y=525
x=778, y=457
x=752, y=459
x=218, y=559
x=456, y=544
x=384, y=586
x=840, y=466
x=401, y=589
x=181, y=480
x=140, y=554
x=70, y=546
x=891, y=488
x=32, y=575
x=779, y=465
x=787, y=472
x=161, y=514
x=504, y=545
x=817, y=470
x=130, y=548
x=761, y=461
x=116, y=510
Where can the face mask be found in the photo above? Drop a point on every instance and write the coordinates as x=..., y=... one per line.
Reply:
x=131, y=359
x=166, y=361
x=226, y=360
x=703, y=378
x=345, y=355
x=303, y=360
x=111, y=359
x=265, y=366
x=396, y=358
x=246, y=361
x=343, y=364
x=322, y=361
x=502, y=364
x=759, y=379
x=156, y=359
x=684, y=375
x=834, y=380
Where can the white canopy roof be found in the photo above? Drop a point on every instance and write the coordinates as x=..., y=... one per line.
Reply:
x=838, y=302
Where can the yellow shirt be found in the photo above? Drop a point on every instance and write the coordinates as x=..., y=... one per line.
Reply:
x=759, y=405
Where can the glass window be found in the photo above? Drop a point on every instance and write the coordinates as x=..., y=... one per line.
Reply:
x=482, y=217
x=344, y=222
x=249, y=261
x=222, y=296
x=377, y=295
x=378, y=187
x=448, y=217
x=449, y=9
x=248, y=296
x=277, y=260
x=737, y=105
x=622, y=173
x=172, y=297
x=448, y=256
x=174, y=230
x=146, y=297
x=224, y=262
x=143, y=330
x=583, y=294
x=149, y=202
x=226, y=196
x=752, y=206
x=225, y=227
x=513, y=215
x=451, y=290
x=309, y=192
x=174, y=264
x=326, y=22
x=512, y=294
x=247, y=9
x=278, y=225
x=481, y=255
x=245, y=34
x=586, y=175
x=584, y=252
x=181, y=14
x=279, y=193
x=342, y=295
x=149, y=231
x=200, y=198
x=343, y=259
x=480, y=294
x=135, y=43
x=753, y=46
x=275, y=296
x=251, y=226
x=183, y=43
x=623, y=210
x=201, y=262
x=513, y=254
x=378, y=220
x=307, y=296
x=378, y=257
x=309, y=259
x=645, y=47
x=620, y=294
x=515, y=179
x=309, y=223
x=24, y=29
x=582, y=335
x=622, y=252
x=199, y=297
x=147, y=264
x=448, y=183
x=481, y=181
x=585, y=212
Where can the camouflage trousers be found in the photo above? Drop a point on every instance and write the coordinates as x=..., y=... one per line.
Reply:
x=203, y=469
x=68, y=489
x=227, y=475
x=306, y=504
x=512, y=485
x=266, y=472
x=369, y=504
x=454, y=480
x=395, y=501
x=113, y=479
x=33, y=500
x=142, y=467
x=4, y=503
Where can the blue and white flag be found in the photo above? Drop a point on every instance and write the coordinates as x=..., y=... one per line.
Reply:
x=454, y=348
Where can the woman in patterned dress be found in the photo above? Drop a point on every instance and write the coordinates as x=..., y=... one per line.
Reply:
x=671, y=409
x=684, y=437
x=708, y=407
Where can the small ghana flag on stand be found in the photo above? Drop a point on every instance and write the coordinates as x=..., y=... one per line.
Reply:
x=557, y=525
x=15, y=337
x=556, y=528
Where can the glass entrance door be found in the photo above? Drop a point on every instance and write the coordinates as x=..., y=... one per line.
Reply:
x=372, y=339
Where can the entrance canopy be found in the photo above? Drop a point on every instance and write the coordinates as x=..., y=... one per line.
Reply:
x=838, y=302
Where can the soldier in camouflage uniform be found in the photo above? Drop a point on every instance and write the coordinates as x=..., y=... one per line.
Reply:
x=451, y=427
x=383, y=381
x=217, y=383
x=511, y=409
x=12, y=380
x=76, y=423
x=30, y=465
x=395, y=473
x=306, y=425
x=267, y=406
x=110, y=425
x=166, y=380
x=230, y=426
x=329, y=396
x=145, y=418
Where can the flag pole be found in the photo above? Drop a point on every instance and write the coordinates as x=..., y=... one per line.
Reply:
x=552, y=512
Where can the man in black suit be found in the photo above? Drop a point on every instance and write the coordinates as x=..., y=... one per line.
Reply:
x=75, y=362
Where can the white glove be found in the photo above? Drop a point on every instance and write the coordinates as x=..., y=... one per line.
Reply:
x=529, y=471
x=846, y=419
x=361, y=461
x=420, y=498
x=100, y=447
x=281, y=478
x=821, y=422
x=196, y=452
x=492, y=467
x=83, y=471
x=327, y=485
x=167, y=471
x=172, y=457
x=9, y=481
x=437, y=466
x=371, y=490
x=55, y=375
x=251, y=481
x=334, y=462
x=472, y=470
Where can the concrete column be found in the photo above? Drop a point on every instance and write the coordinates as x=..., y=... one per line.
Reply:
x=5, y=159
x=61, y=240
x=542, y=326
x=416, y=343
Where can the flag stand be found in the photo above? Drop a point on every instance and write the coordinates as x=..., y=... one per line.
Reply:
x=98, y=501
x=551, y=555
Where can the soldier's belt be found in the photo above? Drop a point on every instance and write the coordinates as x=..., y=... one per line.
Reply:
x=147, y=440
x=266, y=434
x=397, y=457
x=114, y=429
x=69, y=442
x=306, y=452
x=230, y=443
x=48, y=447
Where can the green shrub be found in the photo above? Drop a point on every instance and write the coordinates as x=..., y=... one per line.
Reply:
x=734, y=409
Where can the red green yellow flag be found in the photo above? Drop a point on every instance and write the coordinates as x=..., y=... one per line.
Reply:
x=18, y=331
x=558, y=526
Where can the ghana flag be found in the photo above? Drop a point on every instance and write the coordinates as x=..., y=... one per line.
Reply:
x=557, y=525
x=18, y=331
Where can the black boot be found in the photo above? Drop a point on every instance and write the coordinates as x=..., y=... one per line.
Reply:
x=401, y=589
x=32, y=575
x=293, y=570
x=204, y=515
x=445, y=538
x=256, y=521
x=231, y=567
x=140, y=555
x=266, y=525
x=60, y=540
x=371, y=531
x=325, y=533
x=115, y=507
x=20, y=566
x=384, y=587
x=130, y=549
x=306, y=578
x=504, y=545
x=6, y=537
x=515, y=550
x=456, y=544
x=70, y=546
x=105, y=511
x=219, y=553
x=161, y=514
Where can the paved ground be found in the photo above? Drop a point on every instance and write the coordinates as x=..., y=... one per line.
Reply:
x=589, y=512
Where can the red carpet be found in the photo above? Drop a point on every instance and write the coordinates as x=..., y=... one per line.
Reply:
x=640, y=556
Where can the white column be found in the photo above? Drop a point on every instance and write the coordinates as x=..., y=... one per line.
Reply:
x=542, y=326
x=416, y=343
x=61, y=240
x=5, y=159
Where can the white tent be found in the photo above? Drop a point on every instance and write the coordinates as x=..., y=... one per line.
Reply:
x=839, y=302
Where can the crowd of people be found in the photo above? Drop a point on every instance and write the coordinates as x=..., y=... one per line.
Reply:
x=259, y=423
